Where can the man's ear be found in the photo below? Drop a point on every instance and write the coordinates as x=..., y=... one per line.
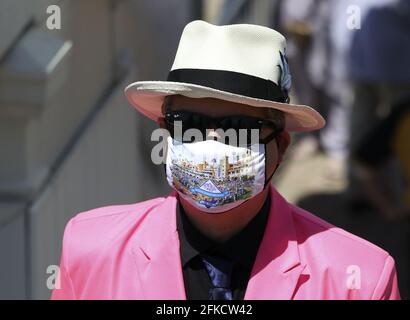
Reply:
x=283, y=142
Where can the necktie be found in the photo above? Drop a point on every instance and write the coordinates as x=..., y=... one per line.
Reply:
x=220, y=271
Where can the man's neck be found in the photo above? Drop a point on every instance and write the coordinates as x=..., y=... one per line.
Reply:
x=221, y=227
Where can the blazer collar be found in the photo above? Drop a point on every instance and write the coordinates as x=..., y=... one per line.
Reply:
x=275, y=273
x=157, y=256
x=277, y=267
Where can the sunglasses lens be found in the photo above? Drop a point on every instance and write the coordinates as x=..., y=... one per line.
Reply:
x=249, y=128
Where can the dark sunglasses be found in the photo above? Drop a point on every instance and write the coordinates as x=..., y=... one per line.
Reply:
x=192, y=120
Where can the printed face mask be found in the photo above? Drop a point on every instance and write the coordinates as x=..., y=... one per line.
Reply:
x=213, y=176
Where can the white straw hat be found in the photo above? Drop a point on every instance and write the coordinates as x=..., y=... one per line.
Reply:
x=241, y=63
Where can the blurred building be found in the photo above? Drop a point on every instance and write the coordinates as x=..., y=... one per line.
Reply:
x=69, y=141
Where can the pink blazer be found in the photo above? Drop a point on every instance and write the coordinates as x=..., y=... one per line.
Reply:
x=132, y=252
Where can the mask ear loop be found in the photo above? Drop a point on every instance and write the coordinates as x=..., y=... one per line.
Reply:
x=268, y=181
x=271, y=136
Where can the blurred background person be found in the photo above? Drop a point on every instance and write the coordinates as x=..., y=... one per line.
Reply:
x=321, y=39
x=387, y=140
x=380, y=71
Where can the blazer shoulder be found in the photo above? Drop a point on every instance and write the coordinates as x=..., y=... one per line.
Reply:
x=308, y=224
x=336, y=254
x=92, y=232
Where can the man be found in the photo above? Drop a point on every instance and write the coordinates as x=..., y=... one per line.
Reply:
x=225, y=233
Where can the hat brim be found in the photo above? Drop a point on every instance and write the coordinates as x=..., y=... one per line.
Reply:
x=148, y=96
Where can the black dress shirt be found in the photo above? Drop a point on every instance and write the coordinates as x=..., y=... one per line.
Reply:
x=241, y=250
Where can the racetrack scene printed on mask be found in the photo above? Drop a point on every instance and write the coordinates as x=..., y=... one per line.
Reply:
x=212, y=174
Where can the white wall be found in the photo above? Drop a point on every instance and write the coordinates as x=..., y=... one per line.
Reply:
x=102, y=145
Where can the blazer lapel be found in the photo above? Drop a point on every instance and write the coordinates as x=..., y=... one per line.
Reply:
x=157, y=254
x=277, y=267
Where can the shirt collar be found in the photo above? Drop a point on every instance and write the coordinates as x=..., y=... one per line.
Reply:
x=241, y=248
